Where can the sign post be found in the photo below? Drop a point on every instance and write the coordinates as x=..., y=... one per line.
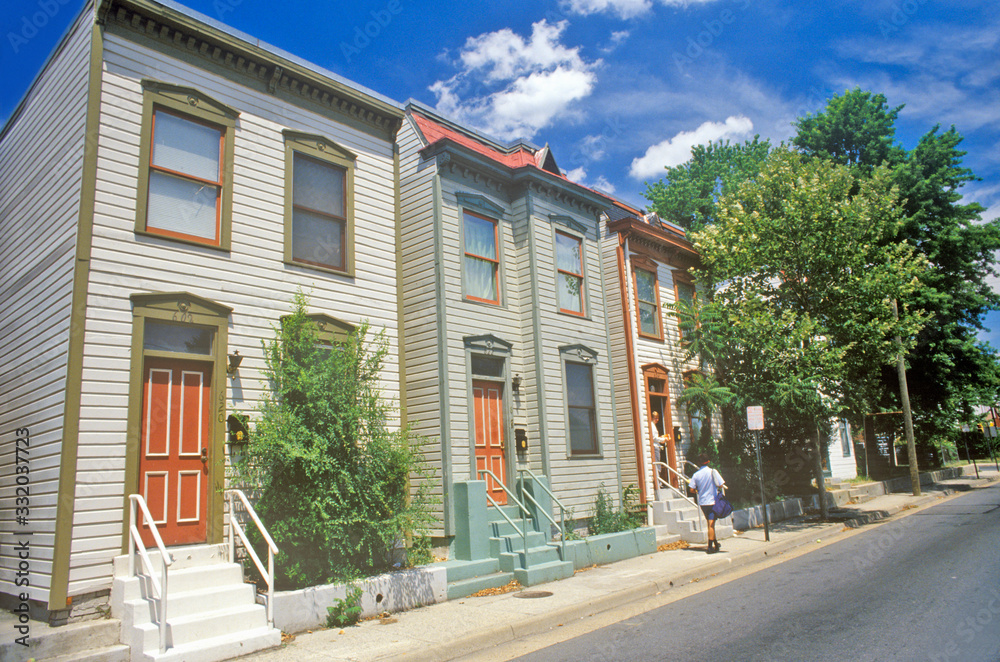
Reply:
x=755, y=423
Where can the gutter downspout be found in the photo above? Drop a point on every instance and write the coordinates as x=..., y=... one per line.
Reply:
x=633, y=387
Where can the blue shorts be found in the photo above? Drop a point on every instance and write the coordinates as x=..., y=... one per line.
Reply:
x=709, y=514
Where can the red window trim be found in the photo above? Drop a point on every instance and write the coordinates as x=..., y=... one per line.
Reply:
x=583, y=309
x=680, y=277
x=219, y=185
x=494, y=261
x=656, y=290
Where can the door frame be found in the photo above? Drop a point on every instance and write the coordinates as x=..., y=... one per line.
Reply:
x=490, y=346
x=657, y=371
x=189, y=309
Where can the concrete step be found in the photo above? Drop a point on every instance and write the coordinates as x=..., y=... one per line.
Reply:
x=664, y=536
x=466, y=587
x=722, y=531
x=143, y=610
x=505, y=528
x=190, y=556
x=217, y=648
x=510, y=561
x=544, y=572
x=514, y=542
x=458, y=570
x=116, y=653
x=46, y=642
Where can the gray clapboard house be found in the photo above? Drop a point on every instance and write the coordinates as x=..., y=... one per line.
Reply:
x=167, y=185
x=507, y=356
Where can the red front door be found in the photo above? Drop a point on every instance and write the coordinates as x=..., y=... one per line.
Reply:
x=488, y=397
x=173, y=461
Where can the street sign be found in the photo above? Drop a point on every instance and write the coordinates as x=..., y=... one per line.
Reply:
x=755, y=418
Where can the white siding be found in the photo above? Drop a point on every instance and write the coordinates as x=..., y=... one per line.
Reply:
x=41, y=161
x=251, y=278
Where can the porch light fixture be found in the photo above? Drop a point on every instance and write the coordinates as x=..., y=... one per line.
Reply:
x=515, y=383
x=234, y=362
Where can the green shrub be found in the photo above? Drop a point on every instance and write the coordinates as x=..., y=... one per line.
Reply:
x=606, y=519
x=330, y=479
x=347, y=611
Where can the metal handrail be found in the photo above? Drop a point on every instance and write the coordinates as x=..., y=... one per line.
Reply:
x=523, y=531
x=272, y=549
x=135, y=541
x=667, y=483
x=562, y=508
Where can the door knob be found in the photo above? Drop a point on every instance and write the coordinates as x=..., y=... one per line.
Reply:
x=204, y=455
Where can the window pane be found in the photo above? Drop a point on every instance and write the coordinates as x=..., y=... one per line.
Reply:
x=579, y=385
x=487, y=367
x=644, y=283
x=480, y=279
x=317, y=239
x=685, y=292
x=480, y=237
x=581, y=431
x=569, y=293
x=185, y=146
x=318, y=186
x=165, y=337
x=181, y=205
x=568, y=253
x=647, y=320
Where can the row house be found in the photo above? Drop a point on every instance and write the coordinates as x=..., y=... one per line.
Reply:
x=168, y=184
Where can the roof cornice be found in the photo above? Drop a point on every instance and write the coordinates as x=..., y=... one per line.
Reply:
x=663, y=245
x=251, y=64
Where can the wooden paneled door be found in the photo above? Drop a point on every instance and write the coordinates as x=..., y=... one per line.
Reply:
x=490, y=446
x=174, y=439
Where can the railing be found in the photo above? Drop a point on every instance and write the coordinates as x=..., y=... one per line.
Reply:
x=562, y=508
x=523, y=530
x=272, y=549
x=683, y=480
x=135, y=542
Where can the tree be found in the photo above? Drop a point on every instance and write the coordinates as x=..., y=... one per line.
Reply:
x=330, y=475
x=689, y=192
x=950, y=371
x=804, y=282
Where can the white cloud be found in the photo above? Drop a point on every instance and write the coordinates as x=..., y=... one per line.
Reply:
x=677, y=150
x=623, y=8
x=579, y=175
x=618, y=37
x=523, y=85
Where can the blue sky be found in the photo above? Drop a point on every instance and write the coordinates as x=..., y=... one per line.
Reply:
x=620, y=88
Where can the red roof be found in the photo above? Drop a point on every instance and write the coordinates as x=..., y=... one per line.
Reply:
x=434, y=132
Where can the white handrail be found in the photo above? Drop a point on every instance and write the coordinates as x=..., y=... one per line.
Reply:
x=524, y=511
x=135, y=541
x=272, y=549
x=562, y=508
x=664, y=483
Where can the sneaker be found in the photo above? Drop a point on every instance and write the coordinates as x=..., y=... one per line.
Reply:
x=718, y=547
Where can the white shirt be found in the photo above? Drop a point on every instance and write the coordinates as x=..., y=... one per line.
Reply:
x=706, y=480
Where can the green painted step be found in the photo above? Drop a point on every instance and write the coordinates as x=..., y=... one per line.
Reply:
x=467, y=587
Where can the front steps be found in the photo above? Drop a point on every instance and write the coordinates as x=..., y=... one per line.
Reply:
x=86, y=641
x=211, y=613
x=675, y=519
x=539, y=563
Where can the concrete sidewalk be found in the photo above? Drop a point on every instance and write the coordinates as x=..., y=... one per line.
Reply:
x=456, y=628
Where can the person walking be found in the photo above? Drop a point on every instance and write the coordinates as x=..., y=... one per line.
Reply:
x=707, y=482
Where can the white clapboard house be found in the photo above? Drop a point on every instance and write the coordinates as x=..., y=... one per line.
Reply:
x=508, y=361
x=167, y=185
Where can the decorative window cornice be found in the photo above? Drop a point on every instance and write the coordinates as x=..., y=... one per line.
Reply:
x=480, y=203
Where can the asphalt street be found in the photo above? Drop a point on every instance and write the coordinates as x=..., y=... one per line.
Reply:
x=924, y=587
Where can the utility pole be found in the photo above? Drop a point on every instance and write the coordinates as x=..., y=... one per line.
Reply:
x=904, y=396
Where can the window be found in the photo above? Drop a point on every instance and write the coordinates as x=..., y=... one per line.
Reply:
x=481, y=265
x=581, y=408
x=569, y=268
x=684, y=291
x=319, y=229
x=185, y=166
x=647, y=302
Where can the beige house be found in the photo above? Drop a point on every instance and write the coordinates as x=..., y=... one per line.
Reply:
x=168, y=184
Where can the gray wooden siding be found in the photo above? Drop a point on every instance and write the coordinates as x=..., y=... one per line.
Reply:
x=41, y=161
x=251, y=278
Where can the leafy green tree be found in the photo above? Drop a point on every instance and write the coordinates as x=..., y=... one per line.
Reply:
x=689, y=192
x=804, y=282
x=949, y=371
x=330, y=475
